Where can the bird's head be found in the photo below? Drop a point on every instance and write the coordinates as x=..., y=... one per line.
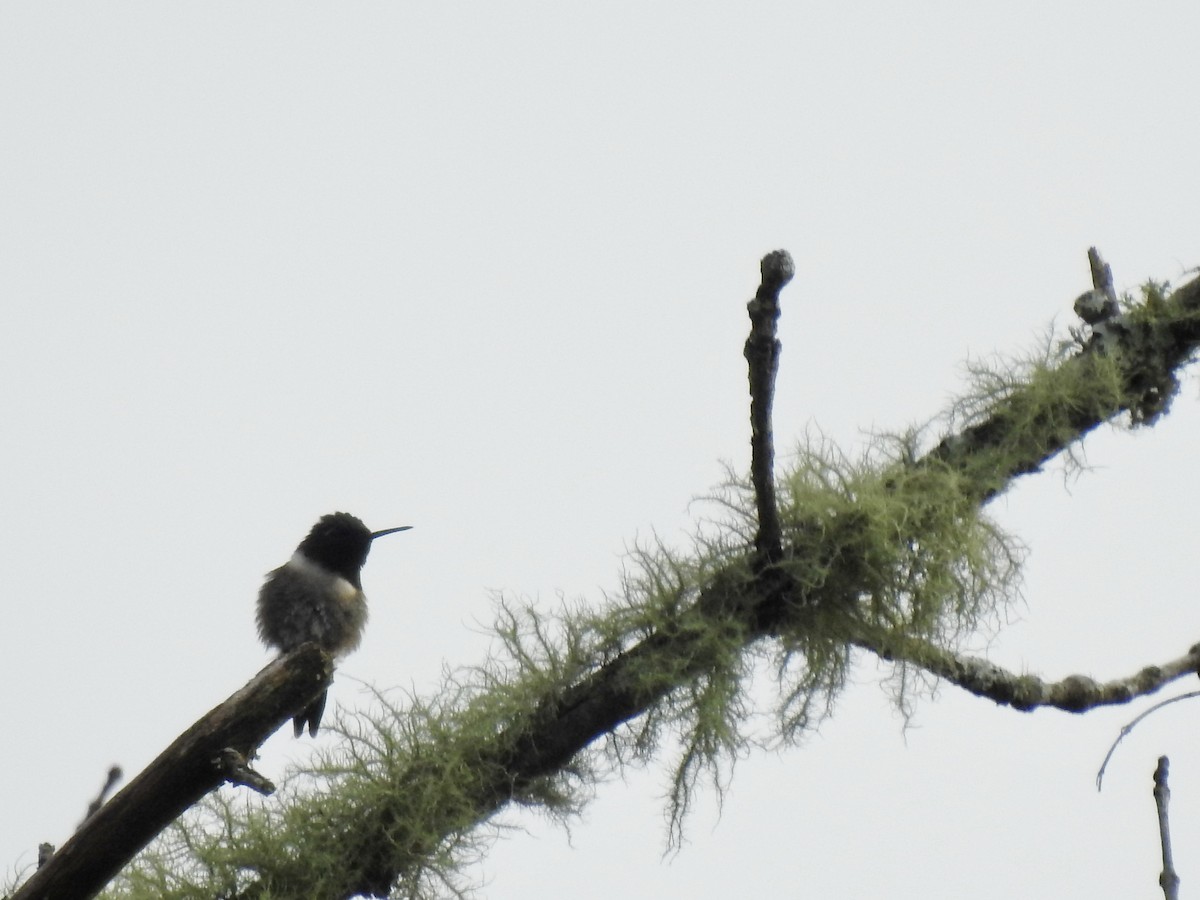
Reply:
x=340, y=542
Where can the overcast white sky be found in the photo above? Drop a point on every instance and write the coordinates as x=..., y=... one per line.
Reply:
x=481, y=268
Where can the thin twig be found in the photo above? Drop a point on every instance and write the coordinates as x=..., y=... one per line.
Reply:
x=237, y=770
x=1100, y=304
x=110, y=781
x=1102, y=277
x=1128, y=727
x=762, y=356
x=1169, y=879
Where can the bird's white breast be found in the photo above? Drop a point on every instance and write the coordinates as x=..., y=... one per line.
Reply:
x=343, y=589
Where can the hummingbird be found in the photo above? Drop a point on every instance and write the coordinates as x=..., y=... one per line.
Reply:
x=317, y=596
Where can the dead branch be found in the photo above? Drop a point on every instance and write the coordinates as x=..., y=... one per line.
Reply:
x=182, y=774
x=1169, y=879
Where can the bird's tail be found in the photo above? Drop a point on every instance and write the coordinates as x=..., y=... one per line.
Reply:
x=311, y=716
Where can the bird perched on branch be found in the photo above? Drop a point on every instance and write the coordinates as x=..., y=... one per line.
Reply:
x=317, y=596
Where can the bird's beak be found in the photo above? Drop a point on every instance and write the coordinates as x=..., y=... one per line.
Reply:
x=375, y=534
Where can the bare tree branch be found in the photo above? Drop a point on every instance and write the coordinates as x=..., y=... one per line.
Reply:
x=1025, y=692
x=1102, y=277
x=762, y=356
x=1169, y=879
x=183, y=773
x=110, y=781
